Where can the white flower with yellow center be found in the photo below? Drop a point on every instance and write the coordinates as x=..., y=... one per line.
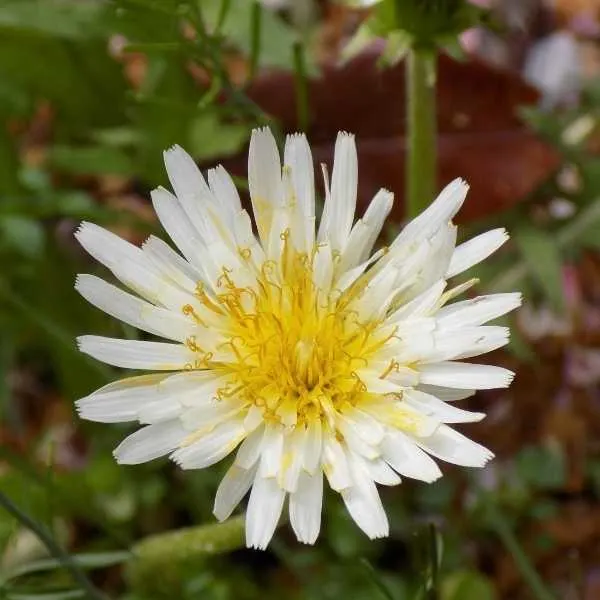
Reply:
x=300, y=349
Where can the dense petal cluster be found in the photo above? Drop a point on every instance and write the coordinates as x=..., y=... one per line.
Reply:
x=297, y=348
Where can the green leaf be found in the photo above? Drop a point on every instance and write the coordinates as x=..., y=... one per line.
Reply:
x=542, y=467
x=82, y=82
x=276, y=41
x=93, y=160
x=542, y=257
x=209, y=137
x=92, y=560
x=377, y=579
x=590, y=237
x=66, y=595
x=467, y=585
x=61, y=18
x=9, y=163
x=24, y=235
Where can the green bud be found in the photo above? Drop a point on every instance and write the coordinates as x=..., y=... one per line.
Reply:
x=426, y=24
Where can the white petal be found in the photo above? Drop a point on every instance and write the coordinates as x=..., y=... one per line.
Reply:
x=292, y=459
x=364, y=504
x=347, y=278
x=211, y=447
x=208, y=413
x=465, y=375
x=184, y=174
x=170, y=264
x=432, y=265
x=338, y=212
x=180, y=229
x=132, y=310
x=298, y=157
x=438, y=213
x=376, y=385
x=475, y=250
x=272, y=451
x=380, y=472
x=224, y=190
x=455, y=448
x=365, y=232
x=264, y=510
x=446, y=394
x=150, y=442
x=254, y=418
x=445, y=413
x=163, y=409
x=121, y=400
x=314, y=445
x=365, y=425
x=420, y=306
x=135, y=354
x=477, y=311
x=106, y=247
x=231, y=490
x=249, y=451
x=401, y=453
x=323, y=268
x=353, y=441
x=456, y=344
x=149, y=284
x=335, y=464
x=246, y=240
x=264, y=178
x=393, y=382
x=305, y=507
x=193, y=387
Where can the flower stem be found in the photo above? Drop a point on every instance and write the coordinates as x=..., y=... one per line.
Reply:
x=498, y=523
x=421, y=129
x=53, y=547
x=160, y=562
x=301, y=85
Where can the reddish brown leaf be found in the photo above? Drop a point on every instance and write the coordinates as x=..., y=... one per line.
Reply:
x=481, y=138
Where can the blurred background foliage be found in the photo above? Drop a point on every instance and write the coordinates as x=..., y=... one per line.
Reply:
x=92, y=92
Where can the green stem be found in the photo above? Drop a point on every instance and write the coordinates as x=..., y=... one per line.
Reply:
x=55, y=549
x=502, y=529
x=301, y=85
x=421, y=130
x=161, y=562
x=255, y=37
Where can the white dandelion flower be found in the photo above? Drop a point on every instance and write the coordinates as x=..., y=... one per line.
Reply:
x=297, y=349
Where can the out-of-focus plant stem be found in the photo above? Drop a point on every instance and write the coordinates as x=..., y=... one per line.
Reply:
x=301, y=85
x=91, y=591
x=162, y=560
x=499, y=525
x=421, y=129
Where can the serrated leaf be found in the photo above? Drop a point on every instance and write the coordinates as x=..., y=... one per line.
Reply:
x=542, y=257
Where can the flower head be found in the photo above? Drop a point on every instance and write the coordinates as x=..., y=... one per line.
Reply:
x=297, y=349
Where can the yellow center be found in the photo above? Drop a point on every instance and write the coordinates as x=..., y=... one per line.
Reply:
x=296, y=349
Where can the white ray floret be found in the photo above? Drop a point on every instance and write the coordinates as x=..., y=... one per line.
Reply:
x=298, y=351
